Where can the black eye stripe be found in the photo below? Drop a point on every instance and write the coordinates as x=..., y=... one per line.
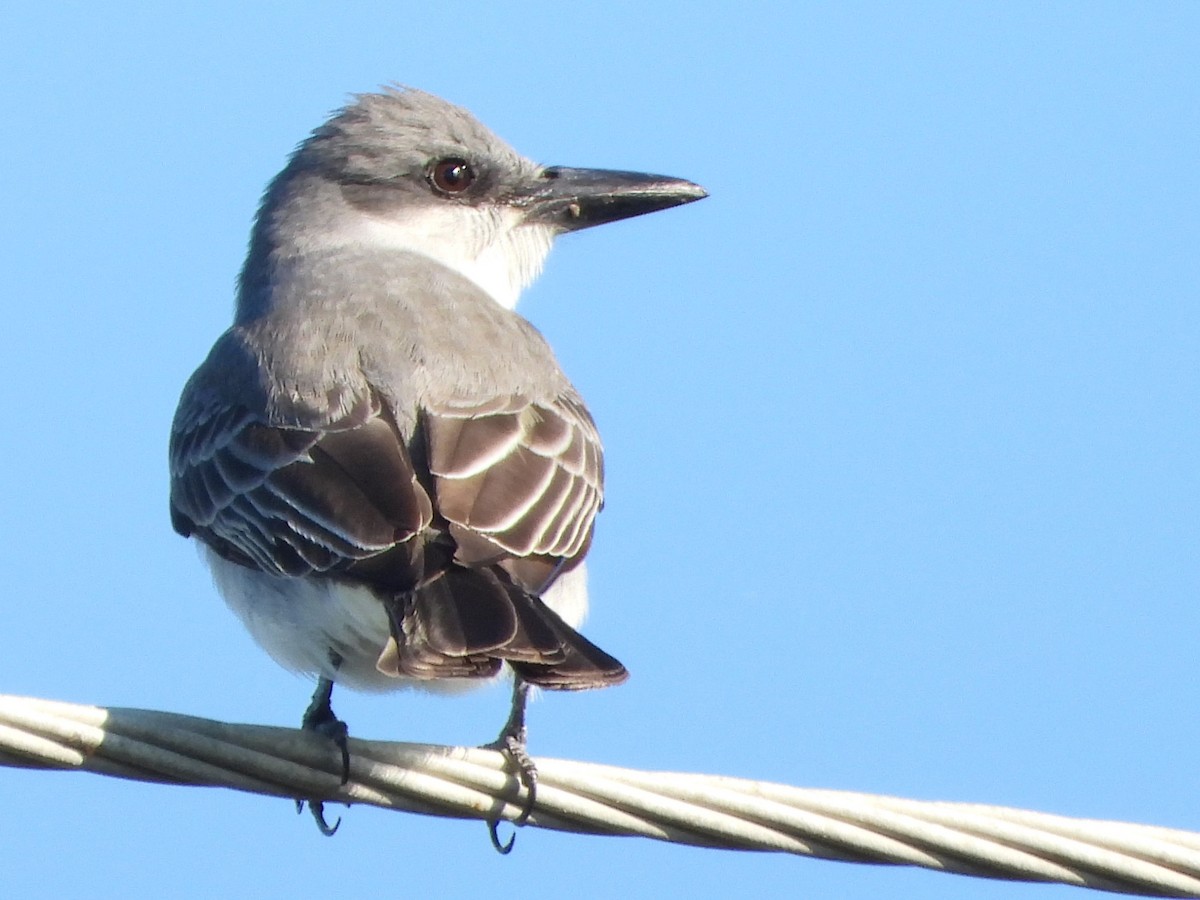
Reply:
x=452, y=175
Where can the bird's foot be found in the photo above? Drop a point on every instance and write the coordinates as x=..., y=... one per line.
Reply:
x=320, y=719
x=324, y=722
x=512, y=743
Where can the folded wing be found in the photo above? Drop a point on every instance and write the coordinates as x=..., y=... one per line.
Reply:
x=458, y=552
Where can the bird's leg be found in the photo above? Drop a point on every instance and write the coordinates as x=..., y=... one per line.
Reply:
x=512, y=744
x=319, y=718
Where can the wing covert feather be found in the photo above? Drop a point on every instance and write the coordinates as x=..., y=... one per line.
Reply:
x=293, y=500
x=542, y=484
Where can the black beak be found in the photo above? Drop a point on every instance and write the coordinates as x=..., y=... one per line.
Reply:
x=571, y=199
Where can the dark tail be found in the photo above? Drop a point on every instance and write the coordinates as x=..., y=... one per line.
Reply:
x=468, y=621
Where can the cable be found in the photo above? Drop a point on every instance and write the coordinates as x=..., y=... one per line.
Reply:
x=703, y=810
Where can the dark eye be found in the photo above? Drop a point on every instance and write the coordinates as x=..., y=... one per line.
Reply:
x=452, y=176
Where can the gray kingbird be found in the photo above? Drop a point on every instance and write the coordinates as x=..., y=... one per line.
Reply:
x=394, y=482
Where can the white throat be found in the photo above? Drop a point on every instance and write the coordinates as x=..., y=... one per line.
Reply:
x=491, y=246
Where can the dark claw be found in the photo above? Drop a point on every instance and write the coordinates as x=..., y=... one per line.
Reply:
x=494, y=834
x=336, y=731
x=319, y=718
x=317, y=808
x=513, y=746
x=511, y=743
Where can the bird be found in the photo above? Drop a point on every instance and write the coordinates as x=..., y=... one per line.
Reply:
x=392, y=480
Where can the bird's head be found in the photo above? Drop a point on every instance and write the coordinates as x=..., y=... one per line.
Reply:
x=405, y=170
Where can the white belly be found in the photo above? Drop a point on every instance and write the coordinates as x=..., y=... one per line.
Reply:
x=299, y=621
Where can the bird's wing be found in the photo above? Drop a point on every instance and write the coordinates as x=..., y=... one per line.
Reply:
x=511, y=478
x=516, y=479
x=293, y=500
x=515, y=485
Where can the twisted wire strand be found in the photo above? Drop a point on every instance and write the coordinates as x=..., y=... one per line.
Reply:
x=703, y=810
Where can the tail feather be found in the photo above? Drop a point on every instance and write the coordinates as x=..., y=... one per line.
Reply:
x=468, y=621
x=584, y=665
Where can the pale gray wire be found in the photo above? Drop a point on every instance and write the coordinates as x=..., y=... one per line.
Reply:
x=712, y=811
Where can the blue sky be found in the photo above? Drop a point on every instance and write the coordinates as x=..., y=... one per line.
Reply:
x=901, y=423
